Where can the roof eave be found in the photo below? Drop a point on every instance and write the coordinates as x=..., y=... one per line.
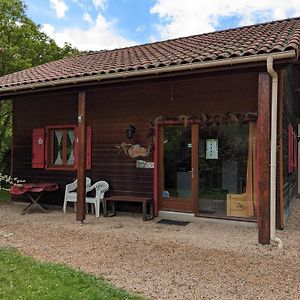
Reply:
x=10, y=90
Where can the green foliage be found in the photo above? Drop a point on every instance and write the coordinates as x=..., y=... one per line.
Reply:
x=24, y=278
x=4, y=196
x=22, y=45
x=5, y=135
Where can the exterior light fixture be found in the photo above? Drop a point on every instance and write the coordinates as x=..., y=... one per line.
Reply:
x=130, y=131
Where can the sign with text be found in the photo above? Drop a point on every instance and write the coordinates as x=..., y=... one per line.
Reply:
x=211, y=149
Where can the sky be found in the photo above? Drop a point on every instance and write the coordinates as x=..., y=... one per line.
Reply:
x=109, y=24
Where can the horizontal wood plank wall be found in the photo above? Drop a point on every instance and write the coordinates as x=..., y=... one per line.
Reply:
x=39, y=112
x=289, y=117
x=109, y=110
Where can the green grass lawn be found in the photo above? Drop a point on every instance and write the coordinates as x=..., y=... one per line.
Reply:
x=24, y=278
x=4, y=196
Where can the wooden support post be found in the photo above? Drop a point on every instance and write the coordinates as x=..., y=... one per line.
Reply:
x=195, y=167
x=81, y=166
x=156, y=194
x=263, y=158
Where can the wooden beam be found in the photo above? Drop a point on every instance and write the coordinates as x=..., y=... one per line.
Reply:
x=263, y=158
x=195, y=167
x=156, y=170
x=81, y=166
x=161, y=171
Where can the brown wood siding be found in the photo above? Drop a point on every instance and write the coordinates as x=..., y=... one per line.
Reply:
x=109, y=110
x=289, y=117
x=279, y=162
x=263, y=158
x=39, y=112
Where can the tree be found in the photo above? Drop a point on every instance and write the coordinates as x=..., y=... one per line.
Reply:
x=22, y=45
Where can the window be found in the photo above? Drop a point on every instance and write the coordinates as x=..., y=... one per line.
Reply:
x=55, y=148
x=61, y=147
x=227, y=170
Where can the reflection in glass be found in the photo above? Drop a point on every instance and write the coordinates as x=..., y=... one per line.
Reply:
x=177, y=162
x=57, y=144
x=62, y=147
x=70, y=147
x=226, y=173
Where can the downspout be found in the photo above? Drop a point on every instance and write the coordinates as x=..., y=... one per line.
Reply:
x=274, y=76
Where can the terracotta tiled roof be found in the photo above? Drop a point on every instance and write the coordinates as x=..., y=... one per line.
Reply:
x=277, y=36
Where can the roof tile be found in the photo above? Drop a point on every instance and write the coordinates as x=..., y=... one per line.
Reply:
x=277, y=36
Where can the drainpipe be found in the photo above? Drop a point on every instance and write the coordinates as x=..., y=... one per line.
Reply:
x=274, y=76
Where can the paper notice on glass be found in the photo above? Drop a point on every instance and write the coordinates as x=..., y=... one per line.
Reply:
x=211, y=149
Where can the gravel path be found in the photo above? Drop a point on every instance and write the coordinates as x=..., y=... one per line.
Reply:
x=200, y=261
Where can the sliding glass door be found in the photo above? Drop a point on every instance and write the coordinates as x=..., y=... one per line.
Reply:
x=226, y=175
x=208, y=170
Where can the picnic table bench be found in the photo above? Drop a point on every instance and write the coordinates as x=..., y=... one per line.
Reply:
x=144, y=200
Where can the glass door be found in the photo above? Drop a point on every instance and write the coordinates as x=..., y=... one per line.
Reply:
x=208, y=170
x=226, y=170
x=176, y=172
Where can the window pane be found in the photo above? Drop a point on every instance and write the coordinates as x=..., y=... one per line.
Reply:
x=226, y=162
x=57, y=147
x=70, y=146
x=177, y=162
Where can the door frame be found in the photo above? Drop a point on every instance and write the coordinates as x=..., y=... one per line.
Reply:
x=177, y=204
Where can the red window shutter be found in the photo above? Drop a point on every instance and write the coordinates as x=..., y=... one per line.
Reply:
x=290, y=149
x=88, y=148
x=38, y=148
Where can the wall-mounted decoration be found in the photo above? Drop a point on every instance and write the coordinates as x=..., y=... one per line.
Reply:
x=141, y=164
x=134, y=151
x=138, y=151
x=209, y=119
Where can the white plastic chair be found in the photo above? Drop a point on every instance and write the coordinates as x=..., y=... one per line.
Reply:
x=100, y=187
x=71, y=194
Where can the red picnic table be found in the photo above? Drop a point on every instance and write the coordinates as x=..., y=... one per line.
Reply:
x=34, y=191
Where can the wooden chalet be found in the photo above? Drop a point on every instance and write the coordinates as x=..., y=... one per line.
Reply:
x=206, y=124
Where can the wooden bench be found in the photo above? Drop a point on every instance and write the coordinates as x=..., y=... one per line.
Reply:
x=144, y=200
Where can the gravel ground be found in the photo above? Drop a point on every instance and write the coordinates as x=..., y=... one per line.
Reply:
x=199, y=261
